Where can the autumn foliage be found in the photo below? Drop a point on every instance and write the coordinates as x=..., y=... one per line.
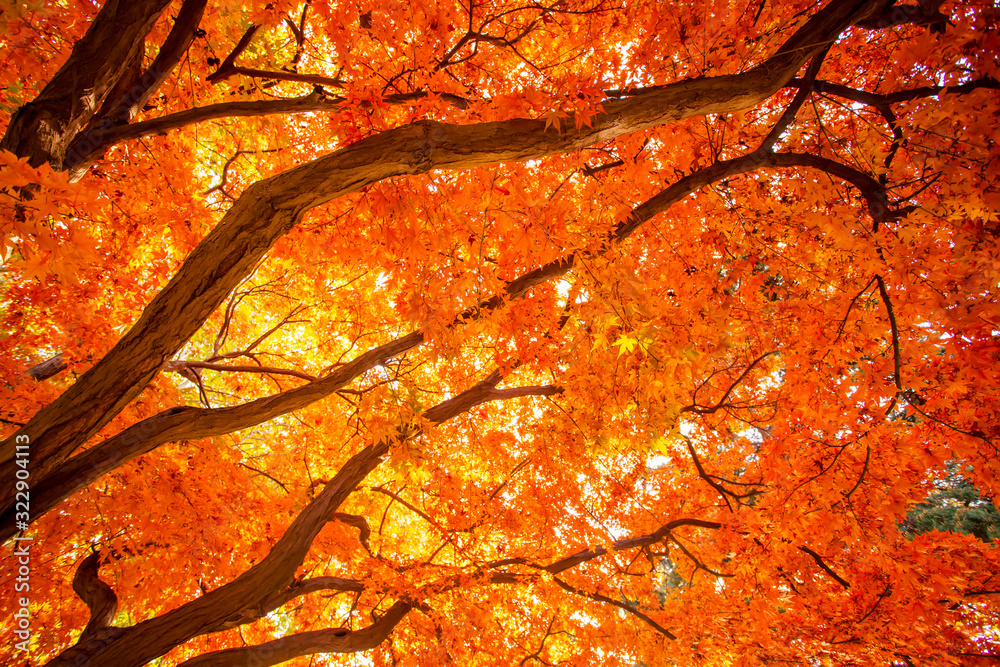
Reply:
x=586, y=332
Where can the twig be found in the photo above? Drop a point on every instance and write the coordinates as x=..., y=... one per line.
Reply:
x=621, y=605
x=823, y=566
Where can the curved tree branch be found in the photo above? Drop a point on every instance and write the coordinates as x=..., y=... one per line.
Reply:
x=615, y=603
x=823, y=566
x=877, y=99
x=925, y=12
x=297, y=589
x=42, y=130
x=314, y=101
x=721, y=403
x=181, y=365
x=97, y=595
x=334, y=640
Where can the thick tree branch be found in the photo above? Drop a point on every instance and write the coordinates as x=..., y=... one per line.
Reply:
x=871, y=189
x=297, y=589
x=42, y=130
x=883, y=102
x=97, y=595
x=134, y=96
x=169, y=56
x=184, y=423
x=48, y=368
x=302, y=587
x=359, y=522
x=334, y=640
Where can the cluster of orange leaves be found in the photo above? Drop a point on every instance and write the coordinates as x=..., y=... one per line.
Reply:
x=776, y=262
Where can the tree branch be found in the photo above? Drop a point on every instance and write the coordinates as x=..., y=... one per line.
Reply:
x=335, y=640
x=879, y=99
x=48, y=368
x=180, y=365
x=42, y=130
x=705, y=410
x=823, y=566
x=97, y=595
x=315, y=79
x=894, y=328
x=230, y=62
x=615, y=603
x=170, y=54
x=298, y=588
x=314, y=101
x=925, y=12
x=628, y=543
x=788, y=116
x=359, y=522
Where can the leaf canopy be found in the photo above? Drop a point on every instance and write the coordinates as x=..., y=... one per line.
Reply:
x=587, y=332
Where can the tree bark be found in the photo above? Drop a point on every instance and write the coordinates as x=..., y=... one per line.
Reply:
x=48, y=368
x=43, y=129
x=333, y=640
x=92, y=141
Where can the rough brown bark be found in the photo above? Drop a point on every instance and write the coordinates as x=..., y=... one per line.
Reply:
x=129, y=99
x=43, y=129
x=97, y=595
x=48, y=368
x=333, y=640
